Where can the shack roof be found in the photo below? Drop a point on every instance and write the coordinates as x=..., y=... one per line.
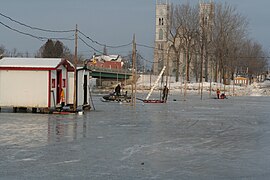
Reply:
x=34, y=63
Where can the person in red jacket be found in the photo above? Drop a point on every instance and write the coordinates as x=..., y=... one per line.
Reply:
x=218, y=93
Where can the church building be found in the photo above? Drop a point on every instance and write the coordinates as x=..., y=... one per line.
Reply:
x=161, y=36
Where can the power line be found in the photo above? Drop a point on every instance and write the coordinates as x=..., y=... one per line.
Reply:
x=142, y=45
x=151, y=47
x=27, y=34
x=90, y=46
x=41, y=38
x=61, y=31
x=36, y=28
x=101, y=44
x=145, y=59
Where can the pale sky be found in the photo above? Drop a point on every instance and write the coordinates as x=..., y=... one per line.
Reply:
x=111, y=22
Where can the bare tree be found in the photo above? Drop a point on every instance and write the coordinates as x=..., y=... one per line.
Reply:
x=139, y=62
x=253, y=59
x=2, y=50
x=183, y=34
x=229, y=30
x=220, y=42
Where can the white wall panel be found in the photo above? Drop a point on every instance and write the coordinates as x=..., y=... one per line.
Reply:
x=24, y=88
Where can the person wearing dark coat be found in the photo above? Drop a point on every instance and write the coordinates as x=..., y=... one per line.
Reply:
x=118, y=90
x=165, y=93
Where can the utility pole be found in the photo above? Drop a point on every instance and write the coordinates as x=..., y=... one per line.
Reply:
x=75, y=70
x=134, y=77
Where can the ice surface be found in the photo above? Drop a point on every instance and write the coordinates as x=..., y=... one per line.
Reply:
x=192, y=139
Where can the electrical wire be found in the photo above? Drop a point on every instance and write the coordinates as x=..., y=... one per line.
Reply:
x=151, y=47
x=27, y=34
x=101, y=44
x=41, y=38
x=90, y=46
x=142, y=45
x=35, y=28
x=139, y=55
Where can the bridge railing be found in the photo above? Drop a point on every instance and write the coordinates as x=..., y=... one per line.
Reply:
x=119, y=71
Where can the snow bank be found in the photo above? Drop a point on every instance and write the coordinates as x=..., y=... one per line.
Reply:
x=145, y=82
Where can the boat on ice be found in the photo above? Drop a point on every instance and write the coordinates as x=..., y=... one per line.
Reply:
x=112, y=97
x=151, y=100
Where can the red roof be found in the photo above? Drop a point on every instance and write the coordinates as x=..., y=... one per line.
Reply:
x=107, y=64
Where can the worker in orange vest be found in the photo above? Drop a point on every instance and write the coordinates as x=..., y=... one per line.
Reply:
x=62, y=97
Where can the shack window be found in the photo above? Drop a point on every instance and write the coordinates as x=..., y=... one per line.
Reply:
x=64, y=83
x=53, y=83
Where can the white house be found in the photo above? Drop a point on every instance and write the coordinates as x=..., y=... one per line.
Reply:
x=33, y=82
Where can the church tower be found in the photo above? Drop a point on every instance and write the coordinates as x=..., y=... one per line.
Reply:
x=161, y=36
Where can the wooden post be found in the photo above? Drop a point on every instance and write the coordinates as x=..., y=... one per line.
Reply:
x=211, y=78
x=134, y=78
x=186, y=76
x=202, y=53
x=75, y=70
x=167, y=65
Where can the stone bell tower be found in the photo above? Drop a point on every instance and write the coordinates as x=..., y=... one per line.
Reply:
x=207, y=10
x=161, y=36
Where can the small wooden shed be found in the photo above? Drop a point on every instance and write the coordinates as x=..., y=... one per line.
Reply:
x=242, y=81
x=33, y=82
x=83, y=87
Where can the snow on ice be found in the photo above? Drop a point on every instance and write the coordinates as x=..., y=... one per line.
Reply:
x=255, y=89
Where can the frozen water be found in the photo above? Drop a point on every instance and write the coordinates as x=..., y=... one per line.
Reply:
x=192, y=139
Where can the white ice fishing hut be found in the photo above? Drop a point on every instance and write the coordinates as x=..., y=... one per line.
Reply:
x=33, y=82
x=83, y=87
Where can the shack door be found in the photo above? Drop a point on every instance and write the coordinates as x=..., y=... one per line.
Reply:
x=59, y=85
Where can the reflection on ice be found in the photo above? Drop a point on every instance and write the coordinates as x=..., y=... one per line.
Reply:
x=66, y=128
x=33, y=130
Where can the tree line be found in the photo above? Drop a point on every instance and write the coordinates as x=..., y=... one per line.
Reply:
x=212, y=43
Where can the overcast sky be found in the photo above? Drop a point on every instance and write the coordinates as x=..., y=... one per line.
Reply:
x=111, y=22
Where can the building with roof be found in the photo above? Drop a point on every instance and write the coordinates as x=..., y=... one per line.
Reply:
x=107, y=61
x=116, y=58
x=241, y=81
x=33, y=82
